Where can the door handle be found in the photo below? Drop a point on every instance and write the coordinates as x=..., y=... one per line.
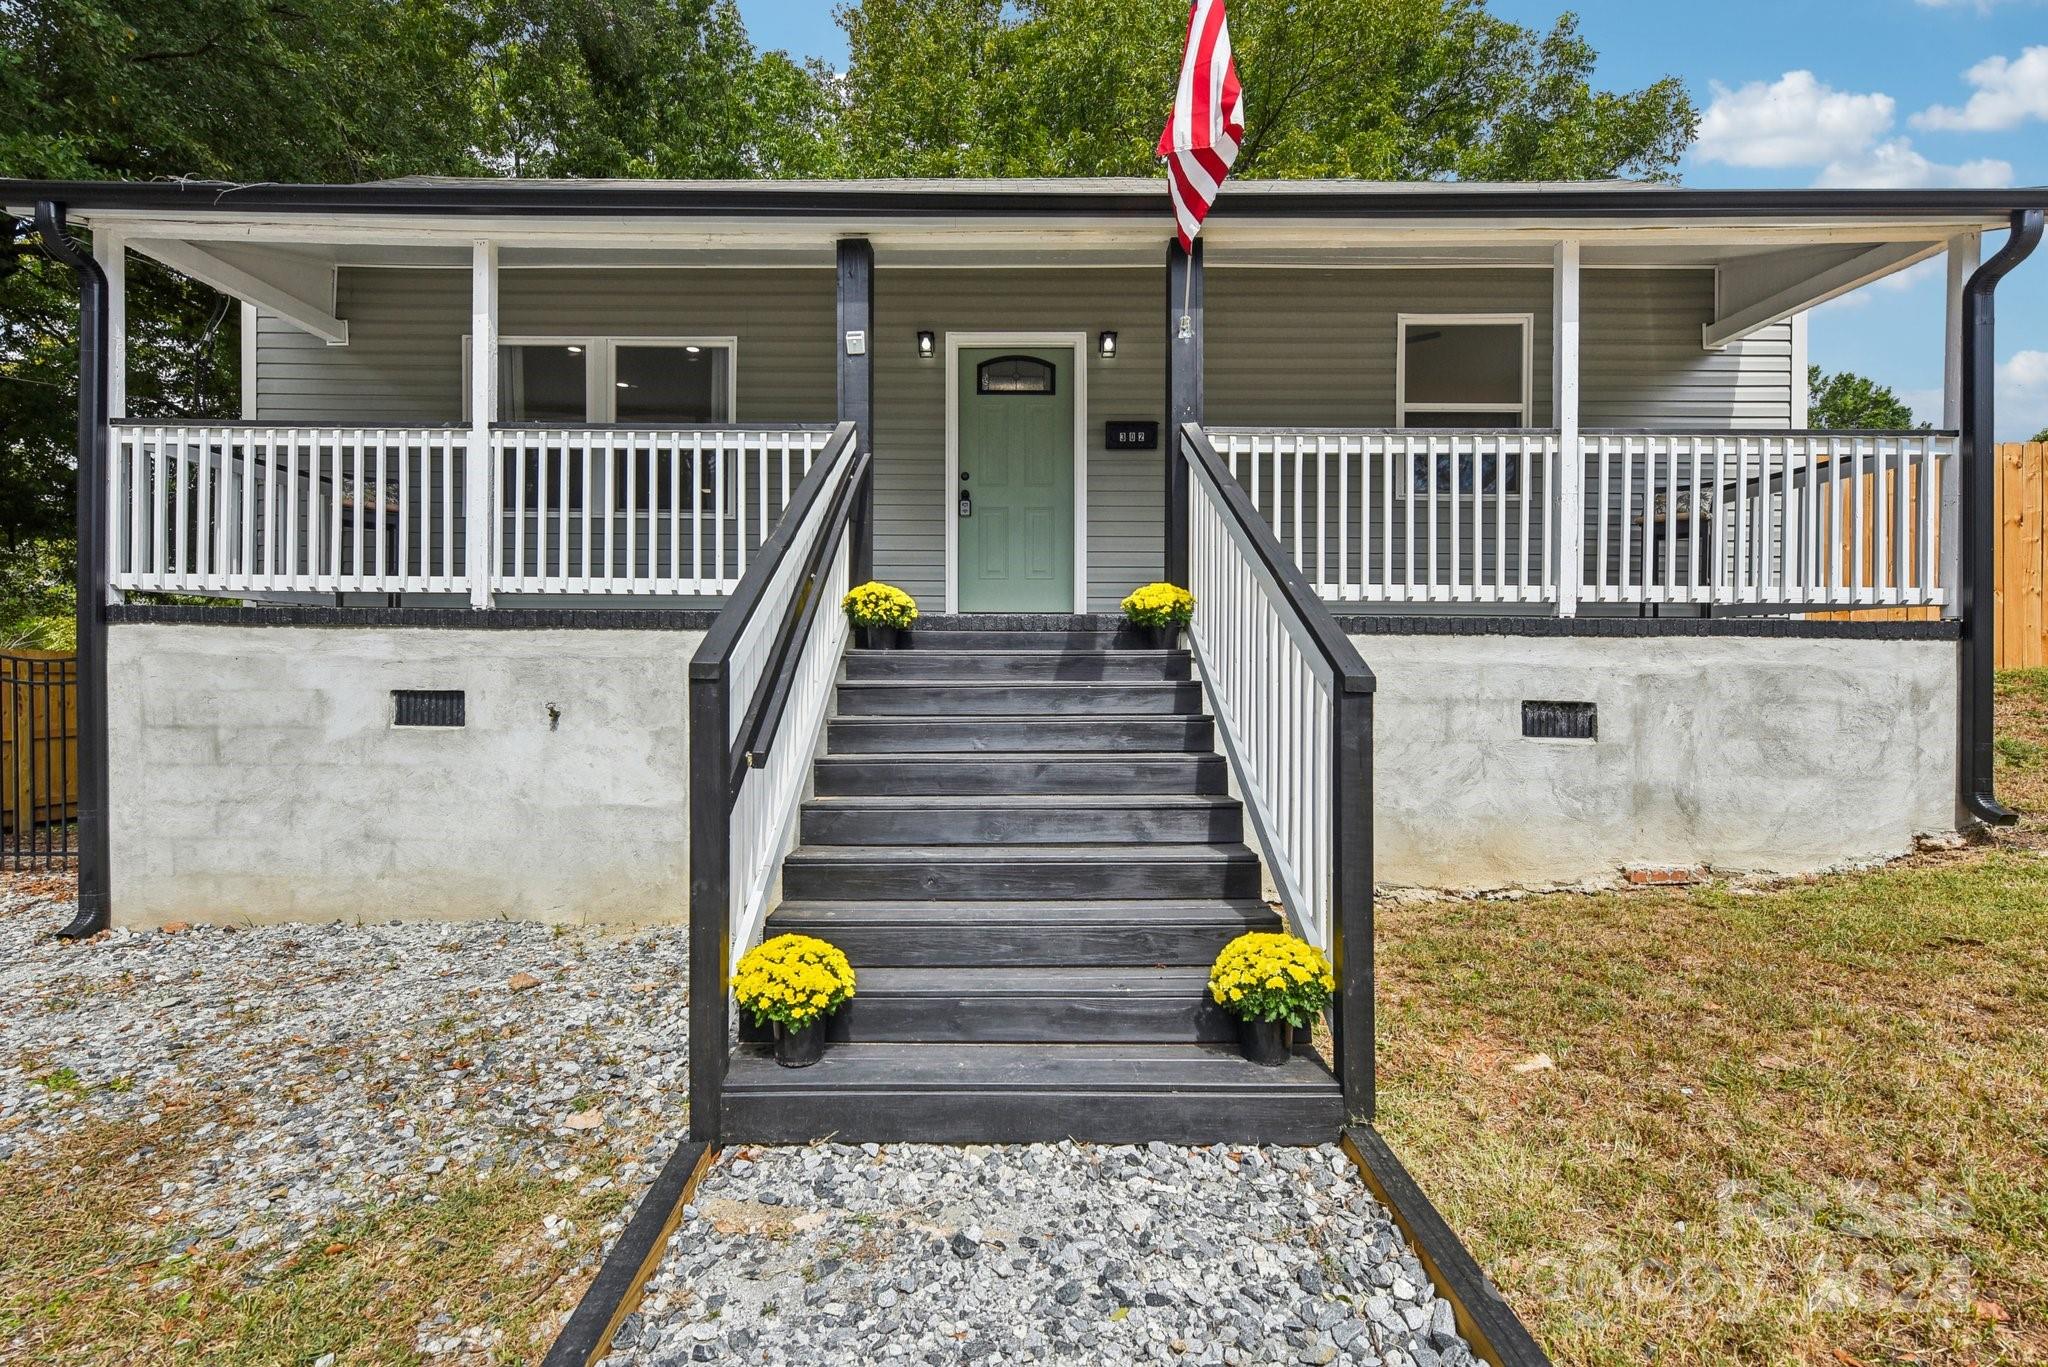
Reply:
x=966, y=504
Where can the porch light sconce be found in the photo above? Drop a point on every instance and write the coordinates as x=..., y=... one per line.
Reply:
x=1106, y=346
x=927, y=345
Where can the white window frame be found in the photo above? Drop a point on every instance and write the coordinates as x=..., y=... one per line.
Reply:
x=601, y=369
x=1525, y=321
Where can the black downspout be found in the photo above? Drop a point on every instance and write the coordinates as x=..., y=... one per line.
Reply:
x=93, y=857
x=1976, y=799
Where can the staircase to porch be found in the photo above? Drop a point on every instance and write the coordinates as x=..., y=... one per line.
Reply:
x=1024, y=841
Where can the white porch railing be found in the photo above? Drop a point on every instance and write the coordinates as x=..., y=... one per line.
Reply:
x=1788, y=520
x=1385, y=516
x=765, y=809
x=239, y=509
x=1808, y=519
x=1293, y=707
x=228, y=509
x=613, y=511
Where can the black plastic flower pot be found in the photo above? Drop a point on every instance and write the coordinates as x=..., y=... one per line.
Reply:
x=1264, y=1042
x=880, y=638
x=1156, y=638
x=799, y=1048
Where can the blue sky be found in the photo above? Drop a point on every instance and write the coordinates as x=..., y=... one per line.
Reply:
x=1874, y=92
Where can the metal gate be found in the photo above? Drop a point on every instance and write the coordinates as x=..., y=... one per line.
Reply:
x=38, y=759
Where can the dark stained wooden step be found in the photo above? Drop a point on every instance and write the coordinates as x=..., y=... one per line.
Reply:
x=984, y=873
x=1105, y=933
x=990, y=666
x=1047, y=820
x=1030, y=1093
x=909, y=698
x=970, y=775
x=1013, y=737
x=1044, y=1005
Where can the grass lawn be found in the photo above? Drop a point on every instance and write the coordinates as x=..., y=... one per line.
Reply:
x=1798, y=1123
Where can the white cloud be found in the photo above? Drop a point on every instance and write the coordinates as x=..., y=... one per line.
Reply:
x=1793, y=121
x=2008, y=93
x=2023, y=395
x=1894, y=165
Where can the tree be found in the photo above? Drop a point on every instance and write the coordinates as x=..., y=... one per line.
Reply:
x=337, y=91
x=1847, y=400
x=331, y=90
x=671, y=88
x=2041, y=435
x=1379, y=89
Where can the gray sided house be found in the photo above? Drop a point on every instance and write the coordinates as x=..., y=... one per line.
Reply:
x=1517, y=563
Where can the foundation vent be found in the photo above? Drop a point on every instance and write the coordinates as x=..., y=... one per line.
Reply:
x=427, y=707
x=1560, y=721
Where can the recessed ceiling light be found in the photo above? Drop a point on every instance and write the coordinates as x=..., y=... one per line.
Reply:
x=693, y=350
x=575, y=351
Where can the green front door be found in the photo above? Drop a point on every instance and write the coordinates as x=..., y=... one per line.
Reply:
x=1015, y=498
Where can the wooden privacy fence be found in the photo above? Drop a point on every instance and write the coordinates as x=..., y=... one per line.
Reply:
x=2022, y=556
x=38, y=758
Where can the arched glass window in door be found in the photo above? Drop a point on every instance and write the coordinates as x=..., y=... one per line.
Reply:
x=1016, y=375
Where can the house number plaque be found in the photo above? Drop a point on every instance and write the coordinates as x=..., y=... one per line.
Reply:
x=1131, y=436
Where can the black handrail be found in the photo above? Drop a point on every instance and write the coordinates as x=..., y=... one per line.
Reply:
x=1351, y=938
x=715, y=654
x=763, y=719
x=718, y=765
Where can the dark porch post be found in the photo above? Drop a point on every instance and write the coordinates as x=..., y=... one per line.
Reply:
x=710, y=905
x=856, y=343
x=94, y=879
x=1976, y=799
x=1183, y=392
x=1351, y=900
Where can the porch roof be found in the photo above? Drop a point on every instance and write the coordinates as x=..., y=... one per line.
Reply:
x=1077, y=198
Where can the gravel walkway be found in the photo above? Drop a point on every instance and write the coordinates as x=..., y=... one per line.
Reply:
x=352, y=1065
x=1044, y=1253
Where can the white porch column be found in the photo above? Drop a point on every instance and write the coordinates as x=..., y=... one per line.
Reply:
x=111, y=251
x=480, y=494
x=1564, y=415
x=1965, y=252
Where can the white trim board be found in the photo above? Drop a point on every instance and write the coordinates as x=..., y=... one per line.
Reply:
x=956, y=342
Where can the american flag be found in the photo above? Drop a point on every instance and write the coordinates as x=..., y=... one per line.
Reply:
x=1202, y=135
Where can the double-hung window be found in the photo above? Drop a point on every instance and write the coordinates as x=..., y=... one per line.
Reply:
x=1469, y=371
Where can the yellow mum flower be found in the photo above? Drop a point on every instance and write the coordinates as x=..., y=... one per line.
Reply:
x=879, y=605
x=793, y=980
x=1160, y=605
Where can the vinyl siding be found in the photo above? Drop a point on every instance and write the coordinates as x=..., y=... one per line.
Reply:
x=1641, y=363
x=403, y=362
x=1286, y=347
x=1315, y=348
x=1125, y=542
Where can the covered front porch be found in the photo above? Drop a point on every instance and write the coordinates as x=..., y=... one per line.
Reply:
x=1446, y=414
